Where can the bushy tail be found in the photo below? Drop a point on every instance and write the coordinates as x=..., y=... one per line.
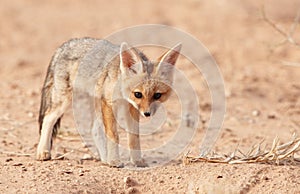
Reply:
x=46, y=101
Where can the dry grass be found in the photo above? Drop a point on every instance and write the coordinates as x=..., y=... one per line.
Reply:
x=278, y=154
x=288, y=35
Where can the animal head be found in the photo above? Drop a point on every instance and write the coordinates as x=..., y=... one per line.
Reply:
x=145, y=83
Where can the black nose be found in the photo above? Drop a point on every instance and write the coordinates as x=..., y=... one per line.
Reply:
x=147, y=114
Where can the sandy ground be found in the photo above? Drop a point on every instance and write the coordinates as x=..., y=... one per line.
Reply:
x=262, y=95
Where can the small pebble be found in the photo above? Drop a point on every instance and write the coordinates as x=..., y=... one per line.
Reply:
x=87, y=157
x=127, y=180
x=30, y=114
x=271, y=116
x=132, y=190
x=68, y=171
x=8, y=160
x=17, y=164
x=256, y=113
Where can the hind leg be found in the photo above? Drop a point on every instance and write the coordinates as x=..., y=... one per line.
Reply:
x=49, y=120
x=44, y=146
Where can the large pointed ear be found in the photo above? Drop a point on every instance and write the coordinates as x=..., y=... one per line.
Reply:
x=167, y=62
x=130, y=62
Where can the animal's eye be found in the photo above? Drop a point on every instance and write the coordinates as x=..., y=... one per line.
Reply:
x=138, y=94
x=157, y=96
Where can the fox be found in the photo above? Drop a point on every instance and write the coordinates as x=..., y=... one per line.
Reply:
x=113, y=72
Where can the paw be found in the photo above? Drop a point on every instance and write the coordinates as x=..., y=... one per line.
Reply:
x=43, y=155
x=116, y=164
x=140, y=163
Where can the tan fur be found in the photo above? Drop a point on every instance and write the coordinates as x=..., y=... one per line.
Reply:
x=121, y=72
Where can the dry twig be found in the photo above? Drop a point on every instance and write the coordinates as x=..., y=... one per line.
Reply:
x=15, y=153
x=288, y=36
x=278, y=154
x=63, y=155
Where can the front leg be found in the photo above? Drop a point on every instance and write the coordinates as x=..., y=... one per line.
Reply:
x=132, y=121
x=109, y=121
